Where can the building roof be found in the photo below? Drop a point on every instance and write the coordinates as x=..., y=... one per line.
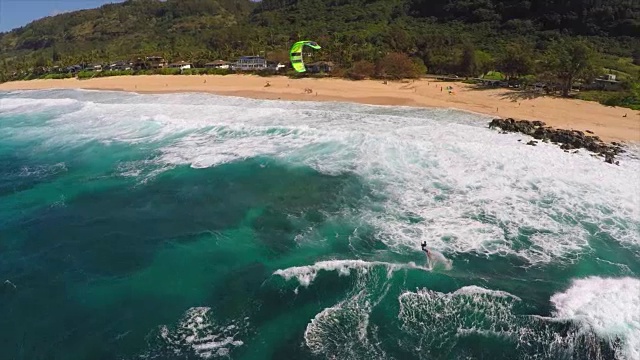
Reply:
x=217, y=62
x=181, y=62
x=320, y=63
x=607, y=81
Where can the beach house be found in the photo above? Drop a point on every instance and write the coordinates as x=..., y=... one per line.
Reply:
x=120, y=65
x=181, y=65
x=218, y=64
x=607, y=82
x=73, y=68
x=250, y=63
x=320, y=67
x=156, y=62
x=93, y=67
x=275, y=65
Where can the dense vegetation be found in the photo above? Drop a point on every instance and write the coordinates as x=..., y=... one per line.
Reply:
x=465, y=37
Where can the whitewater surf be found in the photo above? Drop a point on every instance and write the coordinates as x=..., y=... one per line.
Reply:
x=200, y=226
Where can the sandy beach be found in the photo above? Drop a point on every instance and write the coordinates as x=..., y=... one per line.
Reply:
x=610, y=123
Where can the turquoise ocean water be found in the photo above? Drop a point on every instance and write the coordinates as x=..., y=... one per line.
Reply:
x=192, y=226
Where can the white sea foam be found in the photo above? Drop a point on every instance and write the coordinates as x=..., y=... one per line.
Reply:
x=610, y=307
x=38, y=171
x=199, y=333
x=441, y=315
x=343, y=331
x=434, y=322
x=473, y=189
x=306, y=274
x=8, y=105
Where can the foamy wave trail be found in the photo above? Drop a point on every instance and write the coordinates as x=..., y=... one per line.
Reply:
x=437, y=259
x=433, y=320
x=306, y=274
x=344, y=330
x=438, y=323
x=198, y=334
x=442, y=175
x=607, y=306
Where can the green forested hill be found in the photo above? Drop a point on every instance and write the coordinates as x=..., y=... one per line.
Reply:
x=584, y=17
x=438, y=32
x=127, y=28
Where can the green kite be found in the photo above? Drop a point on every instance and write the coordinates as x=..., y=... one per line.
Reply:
x=296, y=54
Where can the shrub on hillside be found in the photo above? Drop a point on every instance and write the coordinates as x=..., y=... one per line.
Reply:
x=58, y=76
x=397, y=66
x=361, y=70
x=167, y=71
x=218, y=71
x=85, y=74
x=627, y=100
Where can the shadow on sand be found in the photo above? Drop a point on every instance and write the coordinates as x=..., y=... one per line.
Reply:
x=518, y=95
x=514, y=95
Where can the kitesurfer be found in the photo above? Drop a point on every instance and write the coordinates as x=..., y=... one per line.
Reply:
x=424, y=248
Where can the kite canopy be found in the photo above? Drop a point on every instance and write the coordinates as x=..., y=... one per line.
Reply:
x=296, y=54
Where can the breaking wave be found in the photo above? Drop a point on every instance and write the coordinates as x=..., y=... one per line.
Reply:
x=607, y=306
x=443, y=176
x=306, y=274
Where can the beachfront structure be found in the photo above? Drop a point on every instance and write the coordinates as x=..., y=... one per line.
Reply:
x=250, y=63
x=93, y=67
x=156, y=62
x=320, y=67
x=607, y=82
x=488, y=82
x=73, y=68
x=120, y=65
x=276, y=66
x=218, y=64
x=181, y=65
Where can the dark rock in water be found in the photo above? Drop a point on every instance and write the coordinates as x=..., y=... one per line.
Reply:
x=608, y=159
x=567, y=139
x=538, y=123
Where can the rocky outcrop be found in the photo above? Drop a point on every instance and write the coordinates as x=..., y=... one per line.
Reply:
x=567, y=139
